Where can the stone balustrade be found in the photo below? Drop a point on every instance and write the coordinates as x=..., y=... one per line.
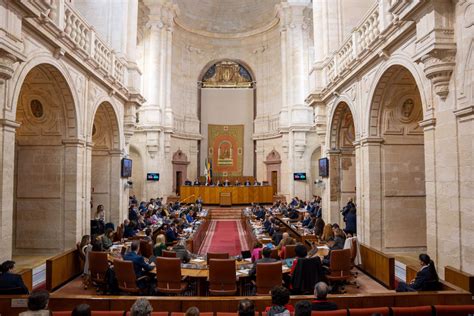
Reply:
x=359, y=41
x=78, y=34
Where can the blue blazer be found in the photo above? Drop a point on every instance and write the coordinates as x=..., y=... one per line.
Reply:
x=139, y=264
x=11, y=283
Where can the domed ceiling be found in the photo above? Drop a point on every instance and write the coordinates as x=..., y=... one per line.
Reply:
x=225, y=16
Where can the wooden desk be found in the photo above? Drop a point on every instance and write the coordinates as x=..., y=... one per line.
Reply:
x=239, y=194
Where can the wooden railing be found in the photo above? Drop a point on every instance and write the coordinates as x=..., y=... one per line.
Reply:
x=378, y=265
x=27, y=276
x=62, y=268
x=195, y=242
x=459, y=278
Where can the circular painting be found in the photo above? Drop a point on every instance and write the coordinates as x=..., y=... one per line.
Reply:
x=36, y=108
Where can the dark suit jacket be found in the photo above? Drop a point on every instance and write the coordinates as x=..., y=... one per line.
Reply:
x=11, y=283
x=423, y=279
x=139, y=264
x=253, y=271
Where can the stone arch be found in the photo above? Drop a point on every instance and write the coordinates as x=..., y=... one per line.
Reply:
x=62, y=76
x=380, y=83
x=109, y=109
x=338, y=115
x=47, y=172
x=215, y=61
x=104, y=135
x=342, y=99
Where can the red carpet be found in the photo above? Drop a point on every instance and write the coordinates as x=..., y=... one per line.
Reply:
x=224, y=236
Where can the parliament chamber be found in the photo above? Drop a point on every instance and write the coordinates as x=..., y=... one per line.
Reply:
x=251, y=158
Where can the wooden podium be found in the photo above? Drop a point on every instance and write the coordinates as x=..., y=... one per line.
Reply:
x=225, y=199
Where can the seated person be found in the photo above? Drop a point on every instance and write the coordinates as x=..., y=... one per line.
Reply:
x=300, y=252
x=320, y=303
x=181, y=251
x=148, y=233
x=237, y=183
x=187, y=182
x=306, y=220
x=256, y=183
x=266, y=253
x=303, y=308
x=338, y=241
x=280, y=300
x=11, y=283
x=139, y=264
x=277, y=235
x=37, y=304
x=81, y=310
x=159, y=246
x=247, y=183
x=171, y=235
x=260, y=213
x=133, y=213
x=141, y=307
x=246, y=308
x=190, y=216
x=226, y=183
x=426, y=279
x=286, y=240
x=293, y=214
x=196, y=182
x=128, y=229
x=256, y=252
x=107, y=239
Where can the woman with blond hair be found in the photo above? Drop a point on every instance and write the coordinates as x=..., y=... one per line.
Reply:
x=328, y=234
x=160, y=245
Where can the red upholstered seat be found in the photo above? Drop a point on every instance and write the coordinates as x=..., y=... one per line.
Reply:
x=454, y=310
x=152, y=314
x=415, y=311
x=227, y=314
x=339, y=312
x=200, y=314
x=369, y=311
x=95, y=313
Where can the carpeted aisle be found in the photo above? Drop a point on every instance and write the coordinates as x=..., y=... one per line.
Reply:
x=224, y=236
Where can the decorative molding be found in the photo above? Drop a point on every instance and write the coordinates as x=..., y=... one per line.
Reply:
x=465, y=113
x=439, y=65
x=428, y=124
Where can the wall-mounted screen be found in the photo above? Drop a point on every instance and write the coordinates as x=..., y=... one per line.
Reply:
x=299, y=176
x=324, y=167
x=153, y=176
x=126, y=171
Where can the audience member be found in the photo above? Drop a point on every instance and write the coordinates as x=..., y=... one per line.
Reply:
x=303, y=308
x=328, y=234
x=246, y=308
x=139, y=264
x=160, y=245
x=280, y=299
x=351, y=221
x=256, y=251
x=141, y=307
x=426, y=279
x=181, y=251
x=11, y=283
x=320, y=303
x=107, y=239
x=192, y=311
x=81, y=310
x=266, y=253
x=37, y=304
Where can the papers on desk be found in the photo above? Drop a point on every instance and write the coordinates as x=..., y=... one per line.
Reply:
x=243, y=272
x=325, y=247
x=199, y=260
x=248, y=259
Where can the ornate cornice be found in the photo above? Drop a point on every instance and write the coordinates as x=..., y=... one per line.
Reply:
x=439, y=65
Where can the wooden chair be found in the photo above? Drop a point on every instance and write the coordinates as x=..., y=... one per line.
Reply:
x=454, y=310
x=98, y=266
x=413, y=311
x=168, y=254
x=339, y=312
x=269, y=275
x=168, y=276
x=340, y=266
x=368, y=311
x=274, y=254
x=126, y=278
x=216, y=255
x=222, y=278
x=290, y=251
x=146, y=248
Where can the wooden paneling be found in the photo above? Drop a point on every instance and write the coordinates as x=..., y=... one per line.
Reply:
x=411, y=272
x=239, y=195
x=27, y=276
x=459, y=278
x=195, y=242
x=62, y=268
x=378, y=265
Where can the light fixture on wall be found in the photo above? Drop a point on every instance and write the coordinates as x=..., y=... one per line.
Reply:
x=128, y=185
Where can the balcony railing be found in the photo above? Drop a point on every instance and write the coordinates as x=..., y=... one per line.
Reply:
x=359, y=41
x=84, y=39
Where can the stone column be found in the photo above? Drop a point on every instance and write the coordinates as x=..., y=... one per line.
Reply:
x=7, y=158
x=333, y=188
x=89, y=213
x=296, y=117
x=371, y=196
x=117, y=190
x=74, y=213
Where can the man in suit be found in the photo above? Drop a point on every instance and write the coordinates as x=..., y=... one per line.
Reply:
x=187, y=182
x=171, y=235
x=266, y=252
x=196, y=182
x=321, y=290
x=11, y=283
x=226, y=183
x=139, y=264
x=247, y=183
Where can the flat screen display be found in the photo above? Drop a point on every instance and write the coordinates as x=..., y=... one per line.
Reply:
x=324, y=167
x=153, y=176
x=126, y=168
x=299, y=176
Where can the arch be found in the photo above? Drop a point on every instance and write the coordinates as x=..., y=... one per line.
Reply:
x=61, y=75
x=379, y=84
x=273, y=157
x=209, y=64
x=113, y=115
x=180, y=156
x=337, y=120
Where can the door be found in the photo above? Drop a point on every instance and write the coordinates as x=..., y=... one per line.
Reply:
x=179, y=176
x=275, y=182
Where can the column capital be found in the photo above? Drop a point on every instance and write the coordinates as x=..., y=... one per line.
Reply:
x=428, y=124
x=6, y=65
x=161, y=14
x=370, y=140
